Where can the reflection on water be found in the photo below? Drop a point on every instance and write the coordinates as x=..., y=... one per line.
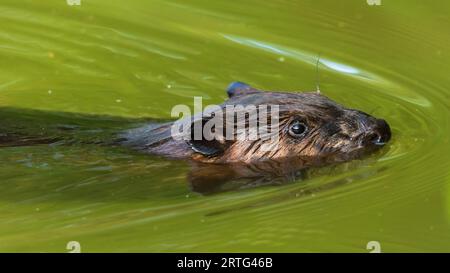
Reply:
x=296, y=54
x=215, y=178
x=342, y=69
x=139, y=59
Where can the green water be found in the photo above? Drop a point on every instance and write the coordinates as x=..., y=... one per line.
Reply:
x=139, y=58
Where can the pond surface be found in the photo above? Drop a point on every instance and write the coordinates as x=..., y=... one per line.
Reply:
x=137, y=59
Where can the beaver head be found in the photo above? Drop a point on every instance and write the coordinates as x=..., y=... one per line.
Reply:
x=311, y=127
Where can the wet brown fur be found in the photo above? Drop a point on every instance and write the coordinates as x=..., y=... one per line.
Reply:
x=334, y=132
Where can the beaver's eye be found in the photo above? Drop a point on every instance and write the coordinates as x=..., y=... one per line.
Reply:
x=297, y=129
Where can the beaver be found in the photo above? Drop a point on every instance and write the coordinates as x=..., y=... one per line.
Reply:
x=313, y=130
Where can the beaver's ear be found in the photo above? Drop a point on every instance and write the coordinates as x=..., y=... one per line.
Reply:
x=240, y=88
x=209, y=145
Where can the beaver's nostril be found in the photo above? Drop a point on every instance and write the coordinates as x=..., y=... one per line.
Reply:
x=376, y=139
x=380, y=134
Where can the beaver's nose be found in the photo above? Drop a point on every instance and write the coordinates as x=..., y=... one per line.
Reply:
x=380, y=133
